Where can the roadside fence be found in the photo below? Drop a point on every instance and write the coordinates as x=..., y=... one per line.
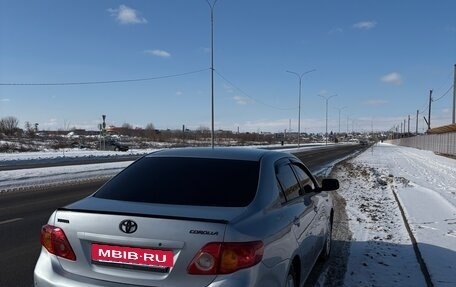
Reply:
x=439, y=143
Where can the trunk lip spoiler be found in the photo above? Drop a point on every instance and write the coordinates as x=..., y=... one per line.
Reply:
x=172, y=217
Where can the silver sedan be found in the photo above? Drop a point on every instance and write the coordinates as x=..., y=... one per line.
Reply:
x=223, y=217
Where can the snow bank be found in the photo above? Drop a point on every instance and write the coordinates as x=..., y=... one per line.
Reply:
x=425, y=184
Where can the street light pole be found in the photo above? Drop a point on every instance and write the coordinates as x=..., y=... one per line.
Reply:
x=327, y=100
x=211, y=6
x=340, y=109
x=299, y=105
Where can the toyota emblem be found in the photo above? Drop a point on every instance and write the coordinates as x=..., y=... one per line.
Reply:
x=128, y=226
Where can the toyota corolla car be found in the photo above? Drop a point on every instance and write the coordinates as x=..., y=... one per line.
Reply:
x=222, y=217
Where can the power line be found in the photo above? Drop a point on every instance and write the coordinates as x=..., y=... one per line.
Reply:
x=424, y=109
x=103, y=82
x=449, y=89
x=250, y=97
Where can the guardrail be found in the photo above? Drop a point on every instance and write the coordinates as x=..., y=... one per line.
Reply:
x=439, y=143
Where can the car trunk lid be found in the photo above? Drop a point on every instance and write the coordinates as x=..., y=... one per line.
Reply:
x=98, y=234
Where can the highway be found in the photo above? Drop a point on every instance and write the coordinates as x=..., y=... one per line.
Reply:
x=23, y=213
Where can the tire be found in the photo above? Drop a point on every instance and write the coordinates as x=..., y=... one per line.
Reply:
x=291, y=278
x=326, y=252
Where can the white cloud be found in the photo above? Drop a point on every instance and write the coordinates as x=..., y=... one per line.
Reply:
x=375, y=102
x=4, y=100
x=179, y=93
x=158, y=53
x=241, y=100
x=267, y=124
x=365, y=25
x=127, y=15
x=392, y=78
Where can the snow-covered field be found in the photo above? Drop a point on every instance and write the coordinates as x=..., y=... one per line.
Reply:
x=381, y=252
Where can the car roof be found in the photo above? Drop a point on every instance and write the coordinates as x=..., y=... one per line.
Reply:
x=234, y=153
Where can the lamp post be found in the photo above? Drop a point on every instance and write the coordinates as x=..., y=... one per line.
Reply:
x=327, y=99
x=299, y=105
x=211, y=6
x=340, y=109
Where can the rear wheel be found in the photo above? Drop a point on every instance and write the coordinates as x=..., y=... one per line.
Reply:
x=291, y=278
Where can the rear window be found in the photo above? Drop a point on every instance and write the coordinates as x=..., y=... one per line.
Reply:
x=185, y=181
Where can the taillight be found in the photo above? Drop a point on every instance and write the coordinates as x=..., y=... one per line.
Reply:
x=223, y=258
x=54, y=240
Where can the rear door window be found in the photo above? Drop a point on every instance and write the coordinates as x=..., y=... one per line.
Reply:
x=185, y=181
x=288, y=181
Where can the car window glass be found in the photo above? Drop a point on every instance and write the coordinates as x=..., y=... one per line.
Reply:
x=185, y=181
x=304, y=180
x=288, y=182
x=281, y=194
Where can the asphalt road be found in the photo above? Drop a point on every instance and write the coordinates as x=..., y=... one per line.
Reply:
x=23, y=213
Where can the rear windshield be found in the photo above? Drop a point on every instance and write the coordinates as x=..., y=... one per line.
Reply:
x=185, y=181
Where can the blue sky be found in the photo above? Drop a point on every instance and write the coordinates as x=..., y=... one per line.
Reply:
x=380, y=57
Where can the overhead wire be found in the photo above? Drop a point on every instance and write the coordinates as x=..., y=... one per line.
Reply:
x=104, y=82
x=441, y=97
x=250, y=97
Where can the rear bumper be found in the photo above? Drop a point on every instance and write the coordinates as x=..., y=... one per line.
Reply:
x=49, y=273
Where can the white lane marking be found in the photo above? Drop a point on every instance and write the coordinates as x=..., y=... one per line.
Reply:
x=10, y=220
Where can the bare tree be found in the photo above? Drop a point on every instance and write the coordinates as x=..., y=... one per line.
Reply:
x=29, y=129
x=127, y=126
x=9, y=125
x=150, y=130
x=127, y=129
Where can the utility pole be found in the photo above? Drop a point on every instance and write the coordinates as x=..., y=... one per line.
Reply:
x=408, y=129
x=211, y=6
x=454, y=96
x=340, y=109
x=372, y=128
x=428, y=121
x=404, y=128
x=104, y=131
x=416, y=126
x=347, y=125
x=327, y=99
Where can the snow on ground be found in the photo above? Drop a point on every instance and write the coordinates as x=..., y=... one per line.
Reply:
x=381, y=253
x=12, y=180
x=68, y=153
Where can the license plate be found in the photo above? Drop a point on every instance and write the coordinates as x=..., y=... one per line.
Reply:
x=132, y=255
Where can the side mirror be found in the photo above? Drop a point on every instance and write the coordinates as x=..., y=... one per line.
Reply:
x=329, y=184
